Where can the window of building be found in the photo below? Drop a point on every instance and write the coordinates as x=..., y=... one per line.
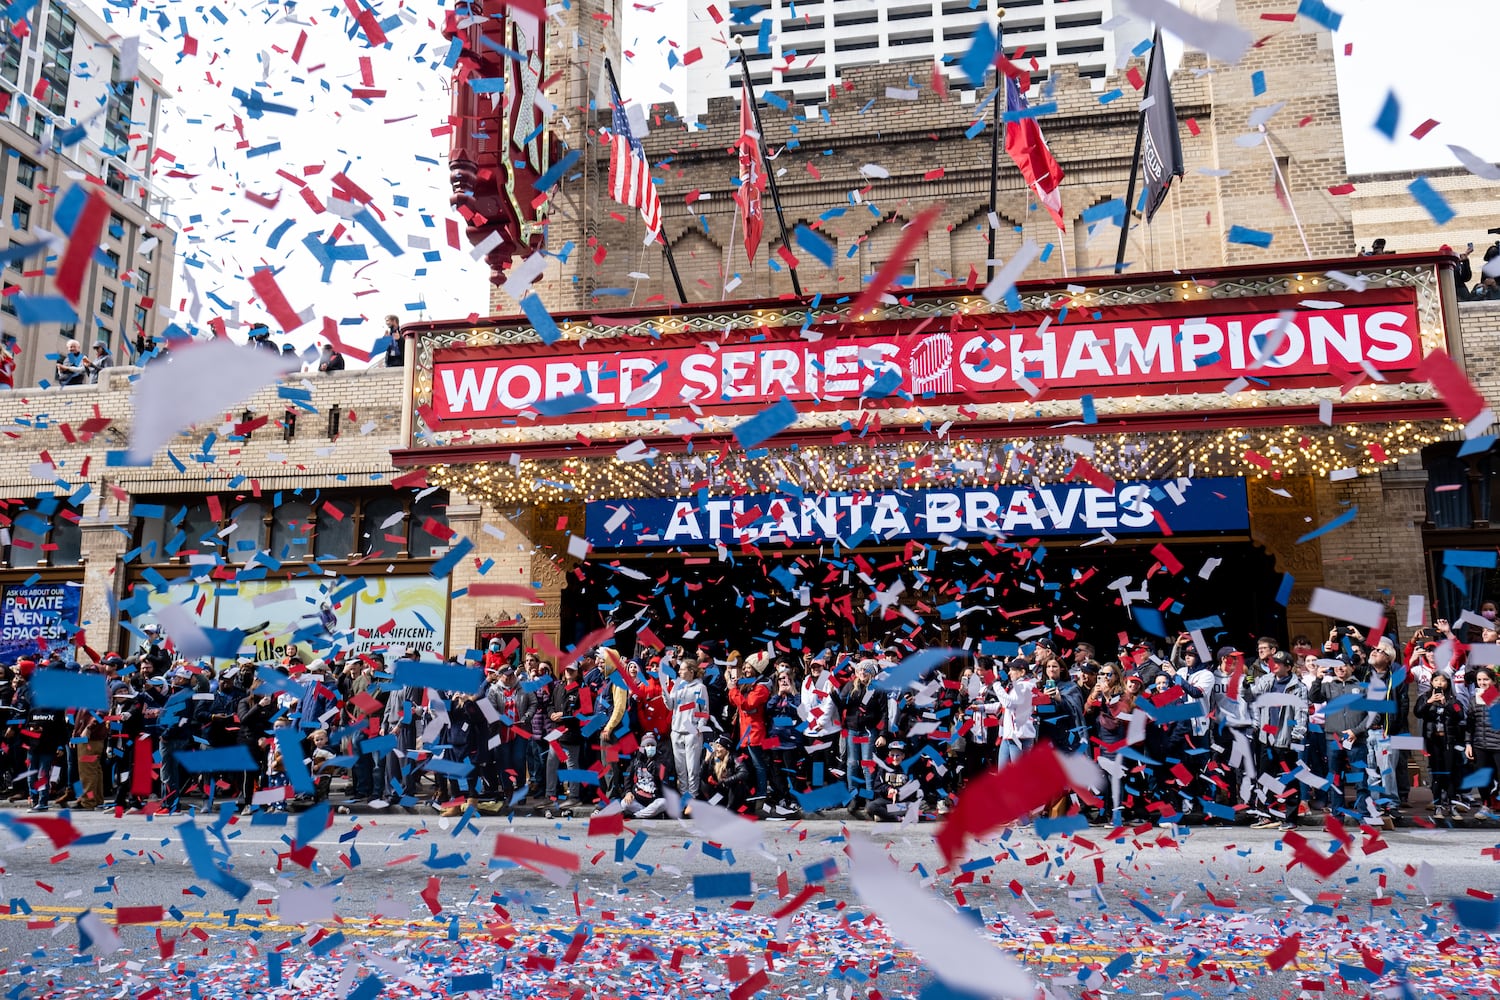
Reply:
x=117, y=225
x=14, y=265
x=8, y=300
x=912, y=38
x=856, y=17
x=10, y=58
x=907, y=13
x=114, y=179
x=140, y=317
x=142, y=281
x=57, y=58
x=1076, y=20
x=294, y=526
x=334, y=538
x=855, y=44
x=107, y=302
x=292, y=531
x=1078, y=48
x=383, y=527
x=20, y=214
x=43, y=532
x=121, y=100
x=26, y=171
x=113, y=267
x=429, y=509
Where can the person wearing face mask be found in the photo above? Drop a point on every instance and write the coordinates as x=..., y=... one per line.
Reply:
x=1444, y=726
x=649, y=773
x=1482, y=748
x=494, y=656
x=507, y=760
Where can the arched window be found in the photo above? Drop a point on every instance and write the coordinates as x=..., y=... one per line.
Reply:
x=335, y=535
x=291, y=531
x=67, y=535
x=247, y=534
x=202, y=531
x=383, y=527
x=434, y=506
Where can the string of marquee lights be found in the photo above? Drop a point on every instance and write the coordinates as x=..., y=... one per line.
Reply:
x=1349, y=450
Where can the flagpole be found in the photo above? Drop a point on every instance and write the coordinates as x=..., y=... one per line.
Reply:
x=765, y=159
x=1135, y=165
x=734, y=221
x=661, y=233
x=995, y=123
x=1281, y=180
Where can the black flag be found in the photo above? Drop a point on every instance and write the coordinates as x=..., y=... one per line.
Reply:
x=1161, y=148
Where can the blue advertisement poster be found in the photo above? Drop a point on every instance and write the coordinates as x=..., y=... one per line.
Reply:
x=1143, y=507
x=38, y=618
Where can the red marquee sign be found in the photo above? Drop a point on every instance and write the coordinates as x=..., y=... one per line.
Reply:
x=1195, y=346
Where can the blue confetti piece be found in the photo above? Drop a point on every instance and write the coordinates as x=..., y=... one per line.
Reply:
x=1477, y=445
x=438, y=676
x=766, y=424
x=1475, y=560
x=914, y=668
x=235, y=758
x=763, y=38
x=576, y=776
x=1284, y=592
x=1089, y=416
x=366, y=218
x=475, y=981
x=1149, y=619
x=721, y=885
x=555, y=172
x=1114, y=210
x=563, y=405
x=445, y=566
x=455, y=49
x=815, y=245
x=1333, y=525
x=487, y=84
x=1258, y=82
x=68, y=689
x=31, y=309
x=1320, y=14
x=1249, y=237
x=541, y=319
x=1390, y=116
x=977, y=61
x=1110, y=96
x=1427, y=196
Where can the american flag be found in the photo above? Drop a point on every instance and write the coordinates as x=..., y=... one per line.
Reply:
x=629, y=172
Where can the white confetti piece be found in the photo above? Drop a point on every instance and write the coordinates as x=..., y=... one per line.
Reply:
x=1221, y=40
x=1007, y=276
x=1345, y=607
x=949, y=945
x=202, y=381
x=1475, y=165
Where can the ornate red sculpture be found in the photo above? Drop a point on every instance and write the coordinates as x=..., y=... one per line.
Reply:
x=500, y=147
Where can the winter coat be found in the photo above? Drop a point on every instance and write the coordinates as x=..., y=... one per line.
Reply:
x=1292, y=727
x=1444, y=723
x=1019, y=719
x=1482, y=733
x=820, y=707
x=1394, y=723
x=864, y=709
x=688, y=701
x=1061, y=719
x=1346, y=718
x=749, y=699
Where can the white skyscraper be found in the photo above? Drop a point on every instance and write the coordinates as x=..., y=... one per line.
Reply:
x=811, y=42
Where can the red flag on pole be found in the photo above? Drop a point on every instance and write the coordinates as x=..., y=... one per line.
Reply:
x=752, y=179
x=1025, y=145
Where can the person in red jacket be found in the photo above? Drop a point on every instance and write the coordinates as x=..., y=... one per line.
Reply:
x=749, y=690
x=651, y=712
x=494, y=657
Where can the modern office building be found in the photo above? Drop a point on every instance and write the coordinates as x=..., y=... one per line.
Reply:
x=809, y=44
x=73, y=112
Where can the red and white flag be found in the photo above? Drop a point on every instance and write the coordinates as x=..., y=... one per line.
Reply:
x=1027, y=147
x=752, y=178
x=629, y=172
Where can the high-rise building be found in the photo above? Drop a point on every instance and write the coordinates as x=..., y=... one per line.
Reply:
x=809, y=44
x=73, y=111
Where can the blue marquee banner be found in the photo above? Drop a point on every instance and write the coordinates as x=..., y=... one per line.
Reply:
x=38, y=618
x=1058, y=510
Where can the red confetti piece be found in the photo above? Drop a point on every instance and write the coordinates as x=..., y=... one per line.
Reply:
x=1341, y=189
x=137, y=915
x=82, y=243
x=264, y=283
x=528, y=852
x=1452, y=385
x=1135, y=78
x=1284, y=952
x=995, y=799
x=1421, y=130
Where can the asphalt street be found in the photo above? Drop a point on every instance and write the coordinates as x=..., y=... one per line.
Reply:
x=1195, y=910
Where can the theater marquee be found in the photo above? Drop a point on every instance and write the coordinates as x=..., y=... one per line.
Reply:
x=1265, y=344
